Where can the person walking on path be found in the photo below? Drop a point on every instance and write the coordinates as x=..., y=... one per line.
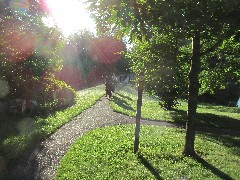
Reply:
x=109, y=86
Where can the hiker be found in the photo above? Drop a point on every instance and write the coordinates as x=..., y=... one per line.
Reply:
x=109, y=86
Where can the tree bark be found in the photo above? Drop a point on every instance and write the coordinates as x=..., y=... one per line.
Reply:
x=138, y=115
x=192, y=95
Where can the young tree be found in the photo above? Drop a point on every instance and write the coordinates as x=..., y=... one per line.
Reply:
x=158, y=58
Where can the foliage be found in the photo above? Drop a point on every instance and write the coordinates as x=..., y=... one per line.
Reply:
x=140, y=19
x=19, y=133
x=221, y=68
x=78, y=43
x=157, y=58
x=178, y=19
x=54, y=95
x=108, y=153
x=32, y=55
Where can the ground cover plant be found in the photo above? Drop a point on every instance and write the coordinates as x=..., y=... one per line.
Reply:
x=107, y=153
x=211, y=115
x=19, y=133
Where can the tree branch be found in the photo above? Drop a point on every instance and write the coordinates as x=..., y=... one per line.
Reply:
x=211, y=49
x=219, y=42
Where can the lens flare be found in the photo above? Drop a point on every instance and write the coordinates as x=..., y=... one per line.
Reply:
x=4, y=88
x=69, y=16
x=98, y=74
x=26, y=126
x=20, y=6
x=44, y=44
x=17, y=44
x=71, y=75
x=105, y=50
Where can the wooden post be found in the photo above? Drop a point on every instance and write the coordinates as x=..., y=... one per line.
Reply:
x=138, y=114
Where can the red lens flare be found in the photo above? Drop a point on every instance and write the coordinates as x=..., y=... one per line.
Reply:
x=105, y=50
x=71, y=75
x=17, y=44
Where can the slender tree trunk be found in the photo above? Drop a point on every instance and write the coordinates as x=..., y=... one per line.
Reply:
x=138, y=115
x=192, y=95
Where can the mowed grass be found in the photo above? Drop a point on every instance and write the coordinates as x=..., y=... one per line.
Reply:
x=19, y=133
x=125, y=102
x=107, y=153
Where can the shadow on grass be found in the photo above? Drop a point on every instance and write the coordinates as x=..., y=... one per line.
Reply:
x=228, y=139
x=8, y=125
x=179, y=115
x=219, y=121
x=124, y=97
x=45, y=113
x=122, y=103
x=145, y=162
x=222, y=108
x=208, y=119
x=23, y=169
x=212, y=168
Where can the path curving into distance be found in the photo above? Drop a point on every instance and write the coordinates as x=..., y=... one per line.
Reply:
x=42, y=162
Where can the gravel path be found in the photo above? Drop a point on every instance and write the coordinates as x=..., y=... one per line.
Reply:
x=42, y=162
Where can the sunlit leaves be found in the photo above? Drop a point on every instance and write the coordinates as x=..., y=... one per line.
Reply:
x=157, y=58
x=30, y=52
x=220, y=72
x=222, y=66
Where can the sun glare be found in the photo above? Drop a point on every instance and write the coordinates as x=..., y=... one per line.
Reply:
x=69, y=16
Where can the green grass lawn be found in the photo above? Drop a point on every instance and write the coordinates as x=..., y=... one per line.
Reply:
x=18, y=133
x=207, y=115
x=107, y=153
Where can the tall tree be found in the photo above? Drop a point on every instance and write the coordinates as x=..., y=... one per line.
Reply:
x=195, y=19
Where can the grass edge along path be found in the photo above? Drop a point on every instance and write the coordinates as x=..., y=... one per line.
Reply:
x=107, y=153
x=13, y=147
x=209, y=115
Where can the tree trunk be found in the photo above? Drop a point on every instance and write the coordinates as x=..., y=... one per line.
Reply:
x=138, y=115
x=192, y=95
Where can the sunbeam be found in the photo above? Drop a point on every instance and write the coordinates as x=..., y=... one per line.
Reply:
x=69, y=16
